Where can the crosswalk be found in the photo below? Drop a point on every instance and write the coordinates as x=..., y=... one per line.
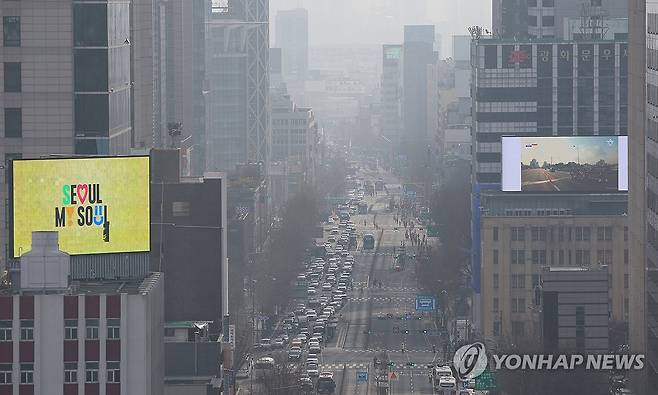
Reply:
x=387, y=350
x=403, y=368
x=385, y=299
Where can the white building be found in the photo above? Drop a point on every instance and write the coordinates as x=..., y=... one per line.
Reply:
x=96, y=337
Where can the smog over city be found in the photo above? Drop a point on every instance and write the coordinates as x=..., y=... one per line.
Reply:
x=296, y=197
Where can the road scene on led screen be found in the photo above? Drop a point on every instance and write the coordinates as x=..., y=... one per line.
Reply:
x=578, y=164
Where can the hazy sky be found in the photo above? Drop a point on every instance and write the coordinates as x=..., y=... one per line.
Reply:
x=375, y=22
x=589, y=149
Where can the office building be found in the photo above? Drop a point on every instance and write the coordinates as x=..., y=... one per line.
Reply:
x=559, y=19
x=461, y=56
x=510, y=18
x=85, y=337
x=555, y=88
x=295, y=148
x=418, y=95
x=68, y=82
x=291, y=35
x=237, y=77
x=183, y=49
x=518, y=236
x=391, y=92
x=145, y=95
x=575, y=309
x=643, y=176
x=188, y=239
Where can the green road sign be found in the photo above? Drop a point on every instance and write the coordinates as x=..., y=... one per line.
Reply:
x=486, y=381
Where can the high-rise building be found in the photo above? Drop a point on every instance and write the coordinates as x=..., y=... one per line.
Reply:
x=643, y=190
x=545, y=89
x=143, y=85
x=237, y=77
x=510, y=18
x=182, y=47
x=419, y=63
x=391, y=92
x=87, y=337
x=67, y=81
x=593, y=19
x=291, y=35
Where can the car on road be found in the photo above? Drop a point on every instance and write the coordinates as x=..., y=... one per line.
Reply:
x=326, y=383
x=295, y=353
x=315, y=348
x=306, y=383
x=312, y=370
x=326, y=287
x=265, y=343
x=279, y=342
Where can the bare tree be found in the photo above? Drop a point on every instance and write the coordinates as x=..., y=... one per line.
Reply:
x=284, y=378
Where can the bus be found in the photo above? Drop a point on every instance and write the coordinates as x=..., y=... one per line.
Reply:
x=263, y=366
x=368, y=241
x=326, y=383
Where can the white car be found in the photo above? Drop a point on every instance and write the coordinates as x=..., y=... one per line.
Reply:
x=312, y=370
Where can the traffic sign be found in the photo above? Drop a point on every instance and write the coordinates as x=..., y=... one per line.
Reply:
x=486, y=381
x=425, y=303
x=393, y=376
x=361, y=377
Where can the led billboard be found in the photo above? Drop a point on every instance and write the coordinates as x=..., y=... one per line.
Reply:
x=97, y=205
x=579, y=164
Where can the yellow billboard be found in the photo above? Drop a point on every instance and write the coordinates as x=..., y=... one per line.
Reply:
x=97, y=205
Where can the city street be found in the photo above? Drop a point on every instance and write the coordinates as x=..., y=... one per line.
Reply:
x=371, y=321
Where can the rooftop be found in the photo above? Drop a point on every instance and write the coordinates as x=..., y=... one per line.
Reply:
x=130, y=287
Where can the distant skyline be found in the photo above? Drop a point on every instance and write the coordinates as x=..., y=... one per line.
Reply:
x=376, y=22
x=570, y=149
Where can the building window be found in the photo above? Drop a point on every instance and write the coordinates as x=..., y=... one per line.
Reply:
x=518, y=257
x=608, y=233
x=548, y=21
x=11, y=31
x=539, y=257
x=70, y=372
x=604, y=257
x=113, y=372
x=91, y=374
x=532, y=20
x=625, y=233
x=5, y=331
x=626, y=257
x=599, y=233
x=495, y=257
x=12, y=77
x=27, y=373
x=113, y=328
x=13, y=122
x=625, y=281
x=495, y=280
x=518, y=281
x=560, y=257
x=495, y=233
x=518, y=305
x=518, y=233
x=538, y=233
x=70, y=329
x=5, y=373
x=92, y=329
x=170, y=332
x=495, y=305
x=27, y=330
x=560, y=234
x=496, y=328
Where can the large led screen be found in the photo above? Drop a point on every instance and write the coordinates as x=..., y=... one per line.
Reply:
x=97, y=205
x=579, y=164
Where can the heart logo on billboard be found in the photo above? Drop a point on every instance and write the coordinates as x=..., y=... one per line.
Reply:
x=82, y=191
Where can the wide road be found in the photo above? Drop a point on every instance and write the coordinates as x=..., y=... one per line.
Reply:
x=371, y=319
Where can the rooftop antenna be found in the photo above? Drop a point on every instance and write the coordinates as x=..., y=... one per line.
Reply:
x=593, y=22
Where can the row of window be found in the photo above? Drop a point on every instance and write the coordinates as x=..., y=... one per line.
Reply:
x=546, y=20
x=563, y=233
x=563, y=257
x=518, y=305
x=518, y=328
x=70, y=373
x=70, y=329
